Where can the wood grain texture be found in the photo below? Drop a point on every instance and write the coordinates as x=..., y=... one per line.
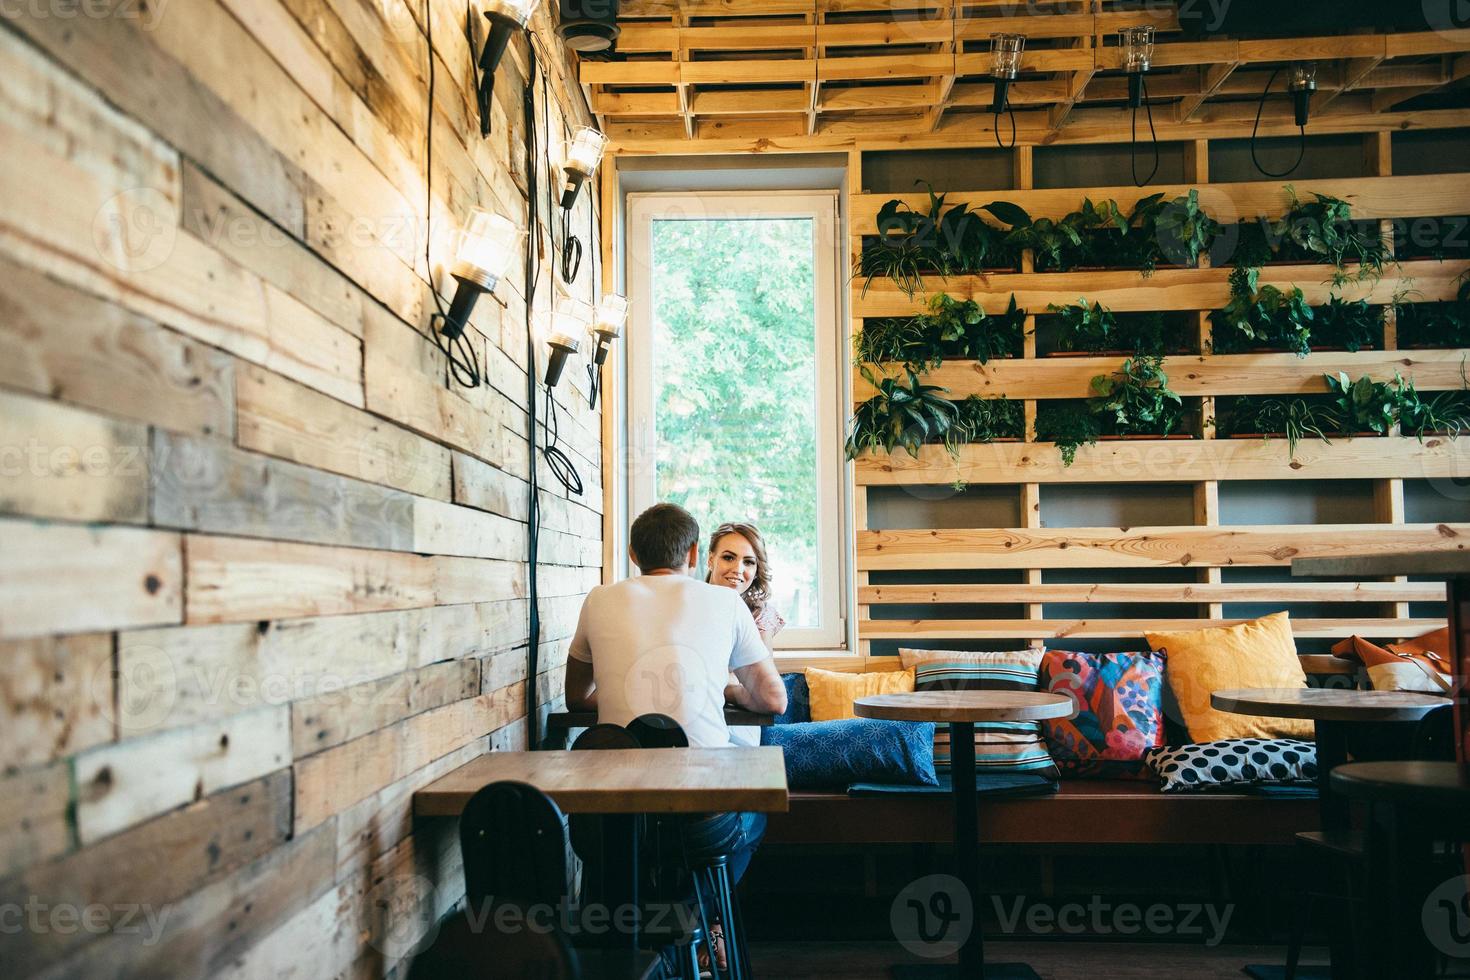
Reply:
x=1084, y=547
x=947, y=706
x=56, y=697
x=1438, y=563
x=122, y=785
x=69, y=464
x=281, y=418
x=60, y=578
x=1325, y=704
x=688, y=780
x=34, y=816
x=59, y=341
x=1156, y=592
x=1041, y=628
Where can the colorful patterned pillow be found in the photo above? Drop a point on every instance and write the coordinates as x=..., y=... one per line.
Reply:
x=1000, y=746
x=1235, y=762
x=1120, y=715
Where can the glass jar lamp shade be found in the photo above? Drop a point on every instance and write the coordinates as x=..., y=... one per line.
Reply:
x=1302, y=84
x=1005, y=64
x=487, y=246
x=583, y=154
x=560, y=329
x=518, y=11
x=607, y=323
x=1138, y=48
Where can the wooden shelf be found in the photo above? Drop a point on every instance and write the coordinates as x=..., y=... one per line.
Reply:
x=1189, y=374
x=1128, y=291
x=1143, y=547
x=921, y=630
x=1153, y=592
x=1172, y=461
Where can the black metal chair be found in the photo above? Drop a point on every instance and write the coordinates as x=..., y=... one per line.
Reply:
x=696, y=849
x=607, y=845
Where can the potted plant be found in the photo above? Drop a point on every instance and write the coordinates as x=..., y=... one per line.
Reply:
x=1175, y=232
x=1097, y=330
x=1292, y=418
x=905, y=415
x=1351, y=326
x=1363, y=406
x=951, y=328
x=955, y=241
x=1136, y=399
x=986, y=420
x=1436, y=325
x=1068, y=424
x=1261, y=316
x=1323, y=230
x=1443, y=413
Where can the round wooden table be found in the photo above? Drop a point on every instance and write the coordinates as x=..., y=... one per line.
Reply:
x=961, y=710
x=1332, y=712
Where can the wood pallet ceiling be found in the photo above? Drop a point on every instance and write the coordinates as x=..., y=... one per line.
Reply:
x=771, y=74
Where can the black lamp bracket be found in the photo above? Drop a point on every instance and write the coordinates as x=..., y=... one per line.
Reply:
x=502, y=28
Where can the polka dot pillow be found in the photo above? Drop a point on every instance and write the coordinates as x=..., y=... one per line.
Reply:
x=1234, y=762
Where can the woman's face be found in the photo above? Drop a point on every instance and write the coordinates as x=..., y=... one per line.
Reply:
x=732, y=563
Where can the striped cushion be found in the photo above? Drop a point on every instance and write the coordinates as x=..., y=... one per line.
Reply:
x=1000, y=746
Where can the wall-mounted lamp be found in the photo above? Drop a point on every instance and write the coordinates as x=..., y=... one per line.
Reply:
x=487, y=246
x=1138, y=52
x=505, y=17
x=562, y=331
x=583, y=154
x=1301, y=83
x=1005, y=65
x=607, y=326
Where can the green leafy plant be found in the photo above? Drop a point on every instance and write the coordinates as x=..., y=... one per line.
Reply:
x=1444, y=411
x=1323, y=230
x=1295, y=418
x=1097, y=329
x=951, y=328
x=1363, y=405
x=1174, y=231
x=985, y=420
x=1350, y=325
x=899, y=415
x=1136, y=399
x=1261, y=316
x=1444, y=324
x=948, y=242
x=1068, y=424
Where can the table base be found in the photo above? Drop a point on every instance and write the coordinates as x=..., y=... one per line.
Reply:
x=1279, y=972
x=953, y=971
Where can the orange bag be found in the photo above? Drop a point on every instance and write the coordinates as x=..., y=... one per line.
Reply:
x=1421, y=664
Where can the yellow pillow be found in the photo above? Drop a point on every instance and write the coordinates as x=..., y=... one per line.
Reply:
x=1261, y=653
x=832, y=692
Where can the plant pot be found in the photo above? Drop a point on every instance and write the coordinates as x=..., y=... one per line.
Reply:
x=1143, y=436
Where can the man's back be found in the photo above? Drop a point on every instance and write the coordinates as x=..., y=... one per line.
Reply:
x=665, y=643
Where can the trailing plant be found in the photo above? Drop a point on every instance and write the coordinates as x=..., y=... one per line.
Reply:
x=951, y=328
x=1068, y=424
x=1296, y=418
x=1261, y=316
x=899, y=415
x=1444, y=411
x=1363, y=405
x=1350, y=325
x=1321, y=230
x=1136, y=399
x=985, y=420
x=1097, y=329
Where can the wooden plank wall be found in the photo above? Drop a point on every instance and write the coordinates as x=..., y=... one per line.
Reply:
x=261, y=568
x=929, y=557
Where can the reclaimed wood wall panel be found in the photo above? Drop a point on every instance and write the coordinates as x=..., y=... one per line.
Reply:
x=249, y=529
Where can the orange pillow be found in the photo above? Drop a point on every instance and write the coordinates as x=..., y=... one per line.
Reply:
x=832, y=692
x=1261, y=653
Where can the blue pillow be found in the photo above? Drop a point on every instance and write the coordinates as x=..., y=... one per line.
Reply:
x=828, y=754
x=798, y=700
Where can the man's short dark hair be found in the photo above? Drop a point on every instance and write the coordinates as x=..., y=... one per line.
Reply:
x=662, y=536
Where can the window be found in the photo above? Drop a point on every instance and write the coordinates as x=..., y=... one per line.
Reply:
x=734, y=382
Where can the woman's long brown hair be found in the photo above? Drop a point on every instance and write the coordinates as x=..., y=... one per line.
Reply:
x=760, y=586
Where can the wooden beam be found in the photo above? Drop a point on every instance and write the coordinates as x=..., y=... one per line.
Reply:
x=1211, y=78
x=919, y=630
x=1153, y=592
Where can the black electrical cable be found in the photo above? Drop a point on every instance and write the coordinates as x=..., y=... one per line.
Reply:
x=1133, y=139
x=996, y=117
x=533, y=502
x=558, y=462
x=458, y=350
x=571, y=249
x=1302, y=130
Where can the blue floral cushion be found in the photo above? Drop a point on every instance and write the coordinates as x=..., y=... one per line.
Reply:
x=798, y=699
x=832, y=754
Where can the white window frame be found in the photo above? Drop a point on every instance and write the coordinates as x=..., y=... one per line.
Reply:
x=822, y=208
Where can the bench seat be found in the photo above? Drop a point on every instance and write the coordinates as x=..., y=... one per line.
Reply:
x=1081, y=812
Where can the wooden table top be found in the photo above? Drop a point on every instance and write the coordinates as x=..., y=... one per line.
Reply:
x=688, y=780
x=1446, y=563
x=1323, y=704
x=1426, y=783
x=941, y=706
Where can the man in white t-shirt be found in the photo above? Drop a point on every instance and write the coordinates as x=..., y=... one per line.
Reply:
x=665, y=642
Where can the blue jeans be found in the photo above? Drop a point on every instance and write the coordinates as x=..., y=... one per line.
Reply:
x=752, y=832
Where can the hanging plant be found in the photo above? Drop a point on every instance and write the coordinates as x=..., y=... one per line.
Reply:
x=899, y=416
x=1352, y=326
x=1363, y=405
x=1136, y=399
x=1261, y=317
x=1068, y=424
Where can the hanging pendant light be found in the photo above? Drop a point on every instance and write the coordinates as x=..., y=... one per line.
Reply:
x=1301, y=83
x=1138, y=51
x=1005, y=65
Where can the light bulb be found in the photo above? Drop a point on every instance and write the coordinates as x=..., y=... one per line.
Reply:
x=560, y=330
x=1303, y=83
x=486, y=247
x=584, y=150
x=1005, y=55
x=519, y=11
x=1138, y=48
x=607, y=323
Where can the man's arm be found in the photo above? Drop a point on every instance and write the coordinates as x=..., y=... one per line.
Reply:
x=758, y=688
x=581, y=691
